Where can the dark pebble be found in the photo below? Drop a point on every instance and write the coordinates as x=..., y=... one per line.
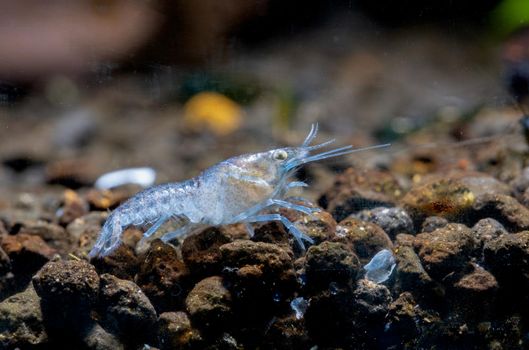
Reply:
x=505, y=209
x=432, y=223
x=73, y=207
x=96, y=337
x=67, y=284
x=392, y=220
x=319, y=226
x=371, y=304
x=175, y=332
x=54, y=235
x=163, y=276
x=331, y=262
x=507, y=257
x=21, y=321
x=487, y=229
x=201, y=253
x=408, y=323
x=287, y=333
x=446, y=250
x=411, y=275
x=126, y=309
x=27, y=253
x=365, y=238
x=442, y=196
x=122, y=263
x=209, y=304
x=474, y=295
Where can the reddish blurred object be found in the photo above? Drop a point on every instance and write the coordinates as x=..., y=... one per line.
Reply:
x=39, y=39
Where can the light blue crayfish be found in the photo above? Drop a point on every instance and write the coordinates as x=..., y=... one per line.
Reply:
x=236, y=190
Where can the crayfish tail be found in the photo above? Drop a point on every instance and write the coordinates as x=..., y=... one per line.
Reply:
x=108, y=240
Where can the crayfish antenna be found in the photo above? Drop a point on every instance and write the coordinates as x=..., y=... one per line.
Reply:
x=311, y=136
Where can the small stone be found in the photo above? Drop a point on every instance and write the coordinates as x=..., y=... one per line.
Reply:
x=505, y=209
x=126, y=309
x=474, y=295
x=380, y=267
x=480, y=281
x=446, y=250
x=163, y=276
x=408, y=321
x=392, y=220
x=201, y=253
x=356, y=190
x=432, y=223
x=365, y=238
x=272, y=232
x=175, y=332
x=257, y=271
x=404, y=239
x=72, y=173
x=411, y=275
x=67, y=284
x=487, y=229
x=442, y=196
x=319, y=226
x=27, y=252
x=97, y=338
x=285, y=333
x=21, y=321
x=122, y=263
x=507, y=257
x=270, y=258
x=54, y=235
x=330, y=262
x=524, y=198
x=224, y=341
x=209, y=303
x=371, y=304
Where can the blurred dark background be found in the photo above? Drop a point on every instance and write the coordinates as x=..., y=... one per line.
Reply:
x=91, y=86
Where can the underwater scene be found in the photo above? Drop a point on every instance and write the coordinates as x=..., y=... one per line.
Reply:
x=264, y=174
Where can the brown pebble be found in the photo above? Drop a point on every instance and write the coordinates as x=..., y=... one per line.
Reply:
x=505, y=209
x=54, y=235
x=26, y=252
x=446, y=250
x=331, y=262
x=126, y=308
x=163, y=276
x=356, y=189
x=201, y=253
x=67, y=284
x=365, y=238
x=209, y=303
x=175, y=332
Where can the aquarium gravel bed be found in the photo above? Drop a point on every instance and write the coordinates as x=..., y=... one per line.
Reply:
x=455, y=219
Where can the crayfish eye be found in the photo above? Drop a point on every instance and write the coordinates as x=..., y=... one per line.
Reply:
x=280, y=155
